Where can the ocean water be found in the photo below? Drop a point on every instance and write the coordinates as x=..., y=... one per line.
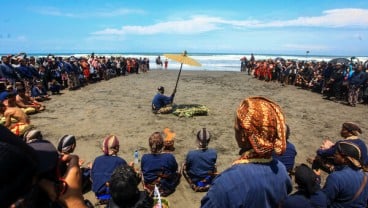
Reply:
x=211, y=61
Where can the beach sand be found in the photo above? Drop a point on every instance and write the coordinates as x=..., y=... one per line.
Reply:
x=122, y=106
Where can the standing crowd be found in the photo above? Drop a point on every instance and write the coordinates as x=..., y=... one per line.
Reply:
x=340, y=80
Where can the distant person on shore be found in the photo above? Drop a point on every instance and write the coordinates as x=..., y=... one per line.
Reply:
x=166, y=63
x=159, y=62
x=255, y=179
x=243, y=64
x=162, y=104
x=252, y=63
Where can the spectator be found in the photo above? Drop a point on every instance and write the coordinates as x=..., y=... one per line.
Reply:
x=200, y=165
x=160, y=169
x=27, y=103
x=355, y=84
x=346, y=186
x=325, y=154
x=123, y=185
x=66, y=145
x=103, y=166
x=15, y=118
x=308, y=192
x=54, y=87
x=39, y=93
x=28, y=164
x=255, y=179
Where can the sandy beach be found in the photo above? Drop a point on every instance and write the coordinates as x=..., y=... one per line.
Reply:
x=122, y=106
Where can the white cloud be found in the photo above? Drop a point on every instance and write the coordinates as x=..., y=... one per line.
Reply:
x=335, y=18
x=331, y=18
x=348, y=17
x=52, y=11
x=191, y=26
x=109, y=31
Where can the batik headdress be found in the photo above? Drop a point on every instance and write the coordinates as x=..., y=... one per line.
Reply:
x=262, y=124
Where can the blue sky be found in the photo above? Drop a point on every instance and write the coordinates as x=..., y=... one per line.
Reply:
x=323, y=27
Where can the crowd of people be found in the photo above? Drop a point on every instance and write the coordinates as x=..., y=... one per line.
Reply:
x=53, y=176
x=339, y=80
x=26, y=82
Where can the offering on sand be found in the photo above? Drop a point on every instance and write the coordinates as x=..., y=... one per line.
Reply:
x=190, y=110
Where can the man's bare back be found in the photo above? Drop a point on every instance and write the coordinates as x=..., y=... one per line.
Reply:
x=25, y=101
x=17, y=114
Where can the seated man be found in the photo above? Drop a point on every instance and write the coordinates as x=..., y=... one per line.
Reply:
x=158, y=168
x=124, y=189
x=3, y=91
x=324, y=159
x=347, y=185
x=103, y=167
x=55, y=87
x=39, y=93
x=27, y=103
x=200, y=165
x=308, y=191
x=255, y=179
x=15, y=118
x=66, y=146
x=162, y=103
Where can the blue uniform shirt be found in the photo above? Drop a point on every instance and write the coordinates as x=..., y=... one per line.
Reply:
x=288, y=158
x=153, y=165
x=299, y=200
x=341, y=186
x=102, y=169
x=199, y=163
x=160, y=101
x=249, y=185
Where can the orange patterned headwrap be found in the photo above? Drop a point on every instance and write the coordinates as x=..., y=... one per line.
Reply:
x=264, y=124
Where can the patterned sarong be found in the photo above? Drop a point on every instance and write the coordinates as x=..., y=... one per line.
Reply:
x=20, y=128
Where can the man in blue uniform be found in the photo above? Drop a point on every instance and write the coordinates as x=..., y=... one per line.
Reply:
x=162, y=103
x=255, y=179
x=200, y=165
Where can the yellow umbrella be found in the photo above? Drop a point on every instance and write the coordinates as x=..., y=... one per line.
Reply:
x=183, y=59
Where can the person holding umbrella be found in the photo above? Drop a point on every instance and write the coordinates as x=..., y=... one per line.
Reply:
x=161, y=103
